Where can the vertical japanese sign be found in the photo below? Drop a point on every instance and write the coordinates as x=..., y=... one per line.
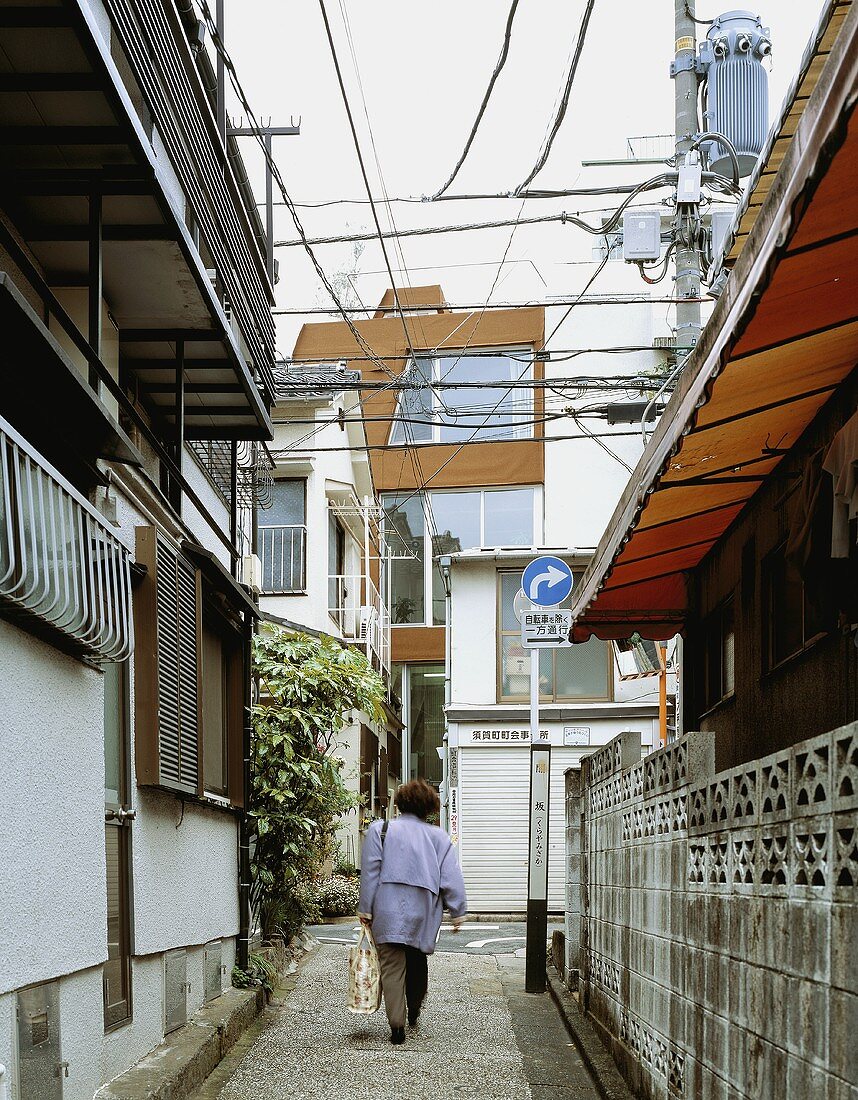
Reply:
x=540, y=770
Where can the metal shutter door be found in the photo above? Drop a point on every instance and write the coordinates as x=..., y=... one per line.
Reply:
x=494, y=790
x=493, y=796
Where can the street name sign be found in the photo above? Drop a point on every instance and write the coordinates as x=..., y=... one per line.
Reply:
x=547, y=581
x=545, y=629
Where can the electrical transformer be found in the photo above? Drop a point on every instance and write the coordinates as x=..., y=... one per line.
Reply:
x=737, y=88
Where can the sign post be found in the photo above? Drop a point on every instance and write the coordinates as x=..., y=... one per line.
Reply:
x=545, y=583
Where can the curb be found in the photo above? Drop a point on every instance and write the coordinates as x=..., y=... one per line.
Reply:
x=183, y=1061
x=596, y=1058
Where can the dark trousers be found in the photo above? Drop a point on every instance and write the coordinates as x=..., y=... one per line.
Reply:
x=404, y=979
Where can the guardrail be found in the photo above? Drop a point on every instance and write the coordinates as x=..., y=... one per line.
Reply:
x=355, y=604
x=60, y=565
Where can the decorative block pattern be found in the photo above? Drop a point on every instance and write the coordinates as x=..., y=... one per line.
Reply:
x=695, y=883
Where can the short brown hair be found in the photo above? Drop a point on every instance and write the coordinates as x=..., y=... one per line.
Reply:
x=417, y=797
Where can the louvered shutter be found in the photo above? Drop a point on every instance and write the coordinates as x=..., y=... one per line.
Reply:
x=178, y=661
x=166, y=666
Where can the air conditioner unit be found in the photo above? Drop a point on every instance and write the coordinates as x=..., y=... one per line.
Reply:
x=251, y=572
x=367, y=619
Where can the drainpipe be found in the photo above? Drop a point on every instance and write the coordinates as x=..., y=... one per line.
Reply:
x=445, y=563
x=244, y=913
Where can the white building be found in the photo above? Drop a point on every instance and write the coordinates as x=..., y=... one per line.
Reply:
x=590, y=692
x=138, y=343
x=323, y=559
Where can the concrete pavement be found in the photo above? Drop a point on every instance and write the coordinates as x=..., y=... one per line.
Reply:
x=479, y=1036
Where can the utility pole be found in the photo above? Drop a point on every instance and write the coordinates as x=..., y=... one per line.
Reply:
x=688, y=262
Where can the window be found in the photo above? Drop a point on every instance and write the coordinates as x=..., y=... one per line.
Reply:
x=719, y=648
x=116, y=973
x=578, y=672
x=283, y=539
x=405, y=533
x=460, y=396
x=463, y=520
x=189, y=676
x=422, y=689
x=222, y=698
x=793, y=619
x=338, y=582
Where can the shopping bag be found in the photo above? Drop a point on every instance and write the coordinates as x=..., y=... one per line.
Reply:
x=364, y=975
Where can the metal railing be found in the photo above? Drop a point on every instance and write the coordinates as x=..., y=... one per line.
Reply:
x=60, y=565
x=160, y=58
x=356, y=606
x=283, y=552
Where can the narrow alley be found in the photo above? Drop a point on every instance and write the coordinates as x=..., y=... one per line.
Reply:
x=479, y=1035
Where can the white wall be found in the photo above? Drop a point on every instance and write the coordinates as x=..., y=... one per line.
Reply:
x=185, y=873
x=583, y=483
x=474, y=640
x=53, y=916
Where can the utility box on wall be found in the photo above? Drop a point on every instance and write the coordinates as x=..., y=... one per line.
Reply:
x=41, y=1070
x=213, y=969
x=175, y=990
x=641, y=235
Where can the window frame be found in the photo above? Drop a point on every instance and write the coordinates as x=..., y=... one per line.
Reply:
x=553, y=698
x=147, y=679
x=429, y=555
x=778, y=556
x=436, y=410
x=116, y=818
x=301, y=588
x=714, y=638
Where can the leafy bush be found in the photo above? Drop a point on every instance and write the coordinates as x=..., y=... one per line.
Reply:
x=339, y=896
x=308, y=687
x=346, y=869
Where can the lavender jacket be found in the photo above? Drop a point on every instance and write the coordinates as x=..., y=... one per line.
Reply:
x=407, y=885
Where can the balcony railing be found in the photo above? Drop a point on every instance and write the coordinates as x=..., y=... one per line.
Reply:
x=283, y=552
x=356, y=606
x=62, y=571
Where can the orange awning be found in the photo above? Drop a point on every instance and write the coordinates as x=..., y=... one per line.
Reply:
x=782, y=338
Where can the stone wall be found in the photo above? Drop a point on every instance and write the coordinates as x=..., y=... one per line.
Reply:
x=719, y=916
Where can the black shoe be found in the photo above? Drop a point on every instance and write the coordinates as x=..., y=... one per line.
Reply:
x=413, y=1017
x=397, y=1035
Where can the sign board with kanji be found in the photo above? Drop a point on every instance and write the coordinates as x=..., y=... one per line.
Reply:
x=545, y=629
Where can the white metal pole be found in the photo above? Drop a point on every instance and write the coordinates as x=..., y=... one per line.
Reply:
x=537, y=866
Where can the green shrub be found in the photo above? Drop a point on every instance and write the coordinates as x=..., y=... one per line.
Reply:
x=308, y=688
x=339, y=896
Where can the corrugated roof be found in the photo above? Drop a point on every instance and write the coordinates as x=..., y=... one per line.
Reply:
x=300, y=382
x=782, y=338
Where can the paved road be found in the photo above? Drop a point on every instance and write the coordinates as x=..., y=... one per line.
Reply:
x=480, y=1037
x=475, y=937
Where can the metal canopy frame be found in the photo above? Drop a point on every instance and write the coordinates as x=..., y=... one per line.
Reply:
x=97, y=208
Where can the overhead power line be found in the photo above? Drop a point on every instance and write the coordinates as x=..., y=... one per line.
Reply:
x=293, y=450
x=589, y=300
x=427, y=231
x=492, y=81
x=564, y=101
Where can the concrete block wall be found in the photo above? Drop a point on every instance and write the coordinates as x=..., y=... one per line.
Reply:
x=719, y=917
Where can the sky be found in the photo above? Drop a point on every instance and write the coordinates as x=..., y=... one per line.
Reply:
x=414, y=77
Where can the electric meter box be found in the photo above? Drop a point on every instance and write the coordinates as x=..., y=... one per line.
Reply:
x=641, y=235
x=722, y=223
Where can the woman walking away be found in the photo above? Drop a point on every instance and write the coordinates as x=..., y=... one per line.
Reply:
x=409, y=876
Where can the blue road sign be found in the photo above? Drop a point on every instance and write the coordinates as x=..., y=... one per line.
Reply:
x=547, y=581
